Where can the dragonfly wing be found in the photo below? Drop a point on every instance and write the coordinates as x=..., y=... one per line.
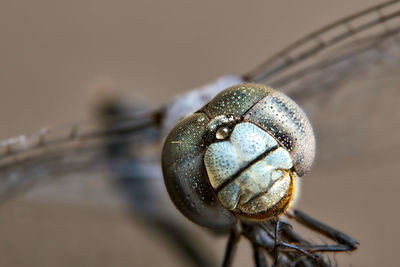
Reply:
x=69, y=164
x=346, y=77
x=350, y=91
x=351, y=99
x=51, y=155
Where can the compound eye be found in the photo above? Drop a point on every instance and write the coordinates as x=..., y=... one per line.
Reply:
x=222, y=133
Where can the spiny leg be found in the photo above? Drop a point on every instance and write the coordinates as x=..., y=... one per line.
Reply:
x=294, y=250
x=291, y=237
x=231, y=246
x=278, y=244
x=261, y=239
x=262, y=235
x=345, y=242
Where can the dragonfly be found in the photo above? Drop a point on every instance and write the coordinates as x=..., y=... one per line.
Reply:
x=344, y=76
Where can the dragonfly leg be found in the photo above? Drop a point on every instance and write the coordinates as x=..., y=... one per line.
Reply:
x=278, y=236
x=344, y=242
x=258, y=255
x=279, y=244
x=276, y=241
x=290, y=243
x=231, y=246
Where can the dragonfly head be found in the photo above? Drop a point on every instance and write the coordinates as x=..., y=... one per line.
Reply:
x=238, y=157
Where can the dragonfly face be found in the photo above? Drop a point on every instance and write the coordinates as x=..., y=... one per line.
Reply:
x=239, y=156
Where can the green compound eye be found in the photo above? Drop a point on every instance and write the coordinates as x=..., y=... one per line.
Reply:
x=261, y=143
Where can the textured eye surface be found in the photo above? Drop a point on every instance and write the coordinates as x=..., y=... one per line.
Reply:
x=287, y=122
x=185, y=175
x=245, y=149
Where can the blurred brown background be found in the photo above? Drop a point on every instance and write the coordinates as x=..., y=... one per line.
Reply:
x=50, y=51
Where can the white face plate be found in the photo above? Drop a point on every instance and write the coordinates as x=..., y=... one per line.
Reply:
x=250, y=171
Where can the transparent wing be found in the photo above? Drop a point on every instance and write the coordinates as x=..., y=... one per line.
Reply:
x=347, y=79
x=346, y=76
x=123, y=146
x=51, y=154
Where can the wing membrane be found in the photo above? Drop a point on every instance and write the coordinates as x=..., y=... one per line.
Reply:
x=84, y=148
x=348, y=88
